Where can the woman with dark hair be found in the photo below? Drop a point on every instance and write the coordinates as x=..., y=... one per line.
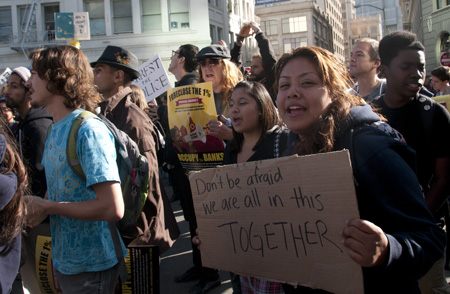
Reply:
x=13, y=183
x=396, y=239
x=258, y=133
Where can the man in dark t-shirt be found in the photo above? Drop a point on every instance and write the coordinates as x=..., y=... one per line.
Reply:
x=425, y=126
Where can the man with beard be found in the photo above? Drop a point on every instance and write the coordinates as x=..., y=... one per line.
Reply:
x=263, y=63
x=33, y=124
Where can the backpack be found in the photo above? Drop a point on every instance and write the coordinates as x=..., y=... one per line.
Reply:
x=132, y=166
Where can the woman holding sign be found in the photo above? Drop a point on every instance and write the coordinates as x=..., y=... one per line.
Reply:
x=216, y=67
x=13, y=183
x=258, y=134
x=396, y=240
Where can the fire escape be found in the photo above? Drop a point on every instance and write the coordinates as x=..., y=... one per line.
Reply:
x=29, y=37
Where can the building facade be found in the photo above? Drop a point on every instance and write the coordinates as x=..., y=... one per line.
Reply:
x=146, y=27
x=390, y=12
x=333, y=11
x=430, y=20
x=290, y=24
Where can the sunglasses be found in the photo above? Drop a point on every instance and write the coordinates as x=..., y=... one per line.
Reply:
x=210, y=62
x=174, y=52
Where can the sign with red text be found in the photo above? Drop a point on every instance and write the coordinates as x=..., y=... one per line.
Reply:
x=153, y=80
x=190, y=109
x=280, y=220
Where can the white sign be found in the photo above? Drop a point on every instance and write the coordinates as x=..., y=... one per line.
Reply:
x=81, y=26
x=153, y=80
x=4, y=76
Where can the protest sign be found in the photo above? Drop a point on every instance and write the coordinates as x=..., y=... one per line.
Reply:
x=45, y=274
x=4, y=79
x=190, y=108
x=280, y=220
x=153, y=80
x=444, y=100
x=142, y=264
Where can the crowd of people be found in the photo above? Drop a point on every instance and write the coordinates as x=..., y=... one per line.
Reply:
x=305, y=103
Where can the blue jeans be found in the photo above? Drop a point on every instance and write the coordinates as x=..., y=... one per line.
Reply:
x=102, y=282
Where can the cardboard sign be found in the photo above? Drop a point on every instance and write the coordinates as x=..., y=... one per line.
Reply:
x=190, y=108
x=81, y=26
x=280, y=220
x=72, y=25
x=65, y=28
x=153, y=80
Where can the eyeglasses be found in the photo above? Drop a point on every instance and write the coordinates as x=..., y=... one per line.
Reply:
x=175, y=52
x=210, y=62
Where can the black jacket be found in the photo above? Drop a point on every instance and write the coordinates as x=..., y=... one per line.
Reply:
x=32, y=134
x=389, y=195
x=268, y=60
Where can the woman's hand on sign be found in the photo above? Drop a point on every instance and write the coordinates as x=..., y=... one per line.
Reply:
x=220, y=130
x=367, y=243
x=196, y=239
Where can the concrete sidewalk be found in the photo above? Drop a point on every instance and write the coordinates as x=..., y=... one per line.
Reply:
x=178, y=259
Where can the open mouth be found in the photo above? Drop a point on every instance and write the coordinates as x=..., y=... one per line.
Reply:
x=293, y=110
x=414, y=86
x=236, y=120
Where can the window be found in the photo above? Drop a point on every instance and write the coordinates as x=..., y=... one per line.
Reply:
x=96, y=11
x=212, y=33
x=179, y=14
x=270, y=27
x=294, y=24
x=438, y=4
x=122, y=17
x=445, y=42
x=49, y=20
x=219, y=33
x=275, y=47
x=315, y=25
x=5, y=24
x=151, y=15
x=291, y=43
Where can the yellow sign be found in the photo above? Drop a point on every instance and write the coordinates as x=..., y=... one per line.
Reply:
x=190, y=108
x=44, y=268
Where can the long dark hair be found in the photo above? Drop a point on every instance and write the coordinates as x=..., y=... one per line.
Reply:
x=268, y=113
x=13, y=214
x=337, y=80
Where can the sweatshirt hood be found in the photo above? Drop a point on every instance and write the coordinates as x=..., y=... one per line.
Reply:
x=359, y=115
x=35, y=114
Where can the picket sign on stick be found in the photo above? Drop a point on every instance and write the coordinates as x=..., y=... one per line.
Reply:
x=280, y=220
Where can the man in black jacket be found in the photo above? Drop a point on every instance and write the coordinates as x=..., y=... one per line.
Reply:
x=33, y=126
x=263, y=63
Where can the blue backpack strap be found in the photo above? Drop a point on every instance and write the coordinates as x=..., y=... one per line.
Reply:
x=71, y=150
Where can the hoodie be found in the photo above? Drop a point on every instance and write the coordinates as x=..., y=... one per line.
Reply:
x=388, y=195
x=32, y=134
